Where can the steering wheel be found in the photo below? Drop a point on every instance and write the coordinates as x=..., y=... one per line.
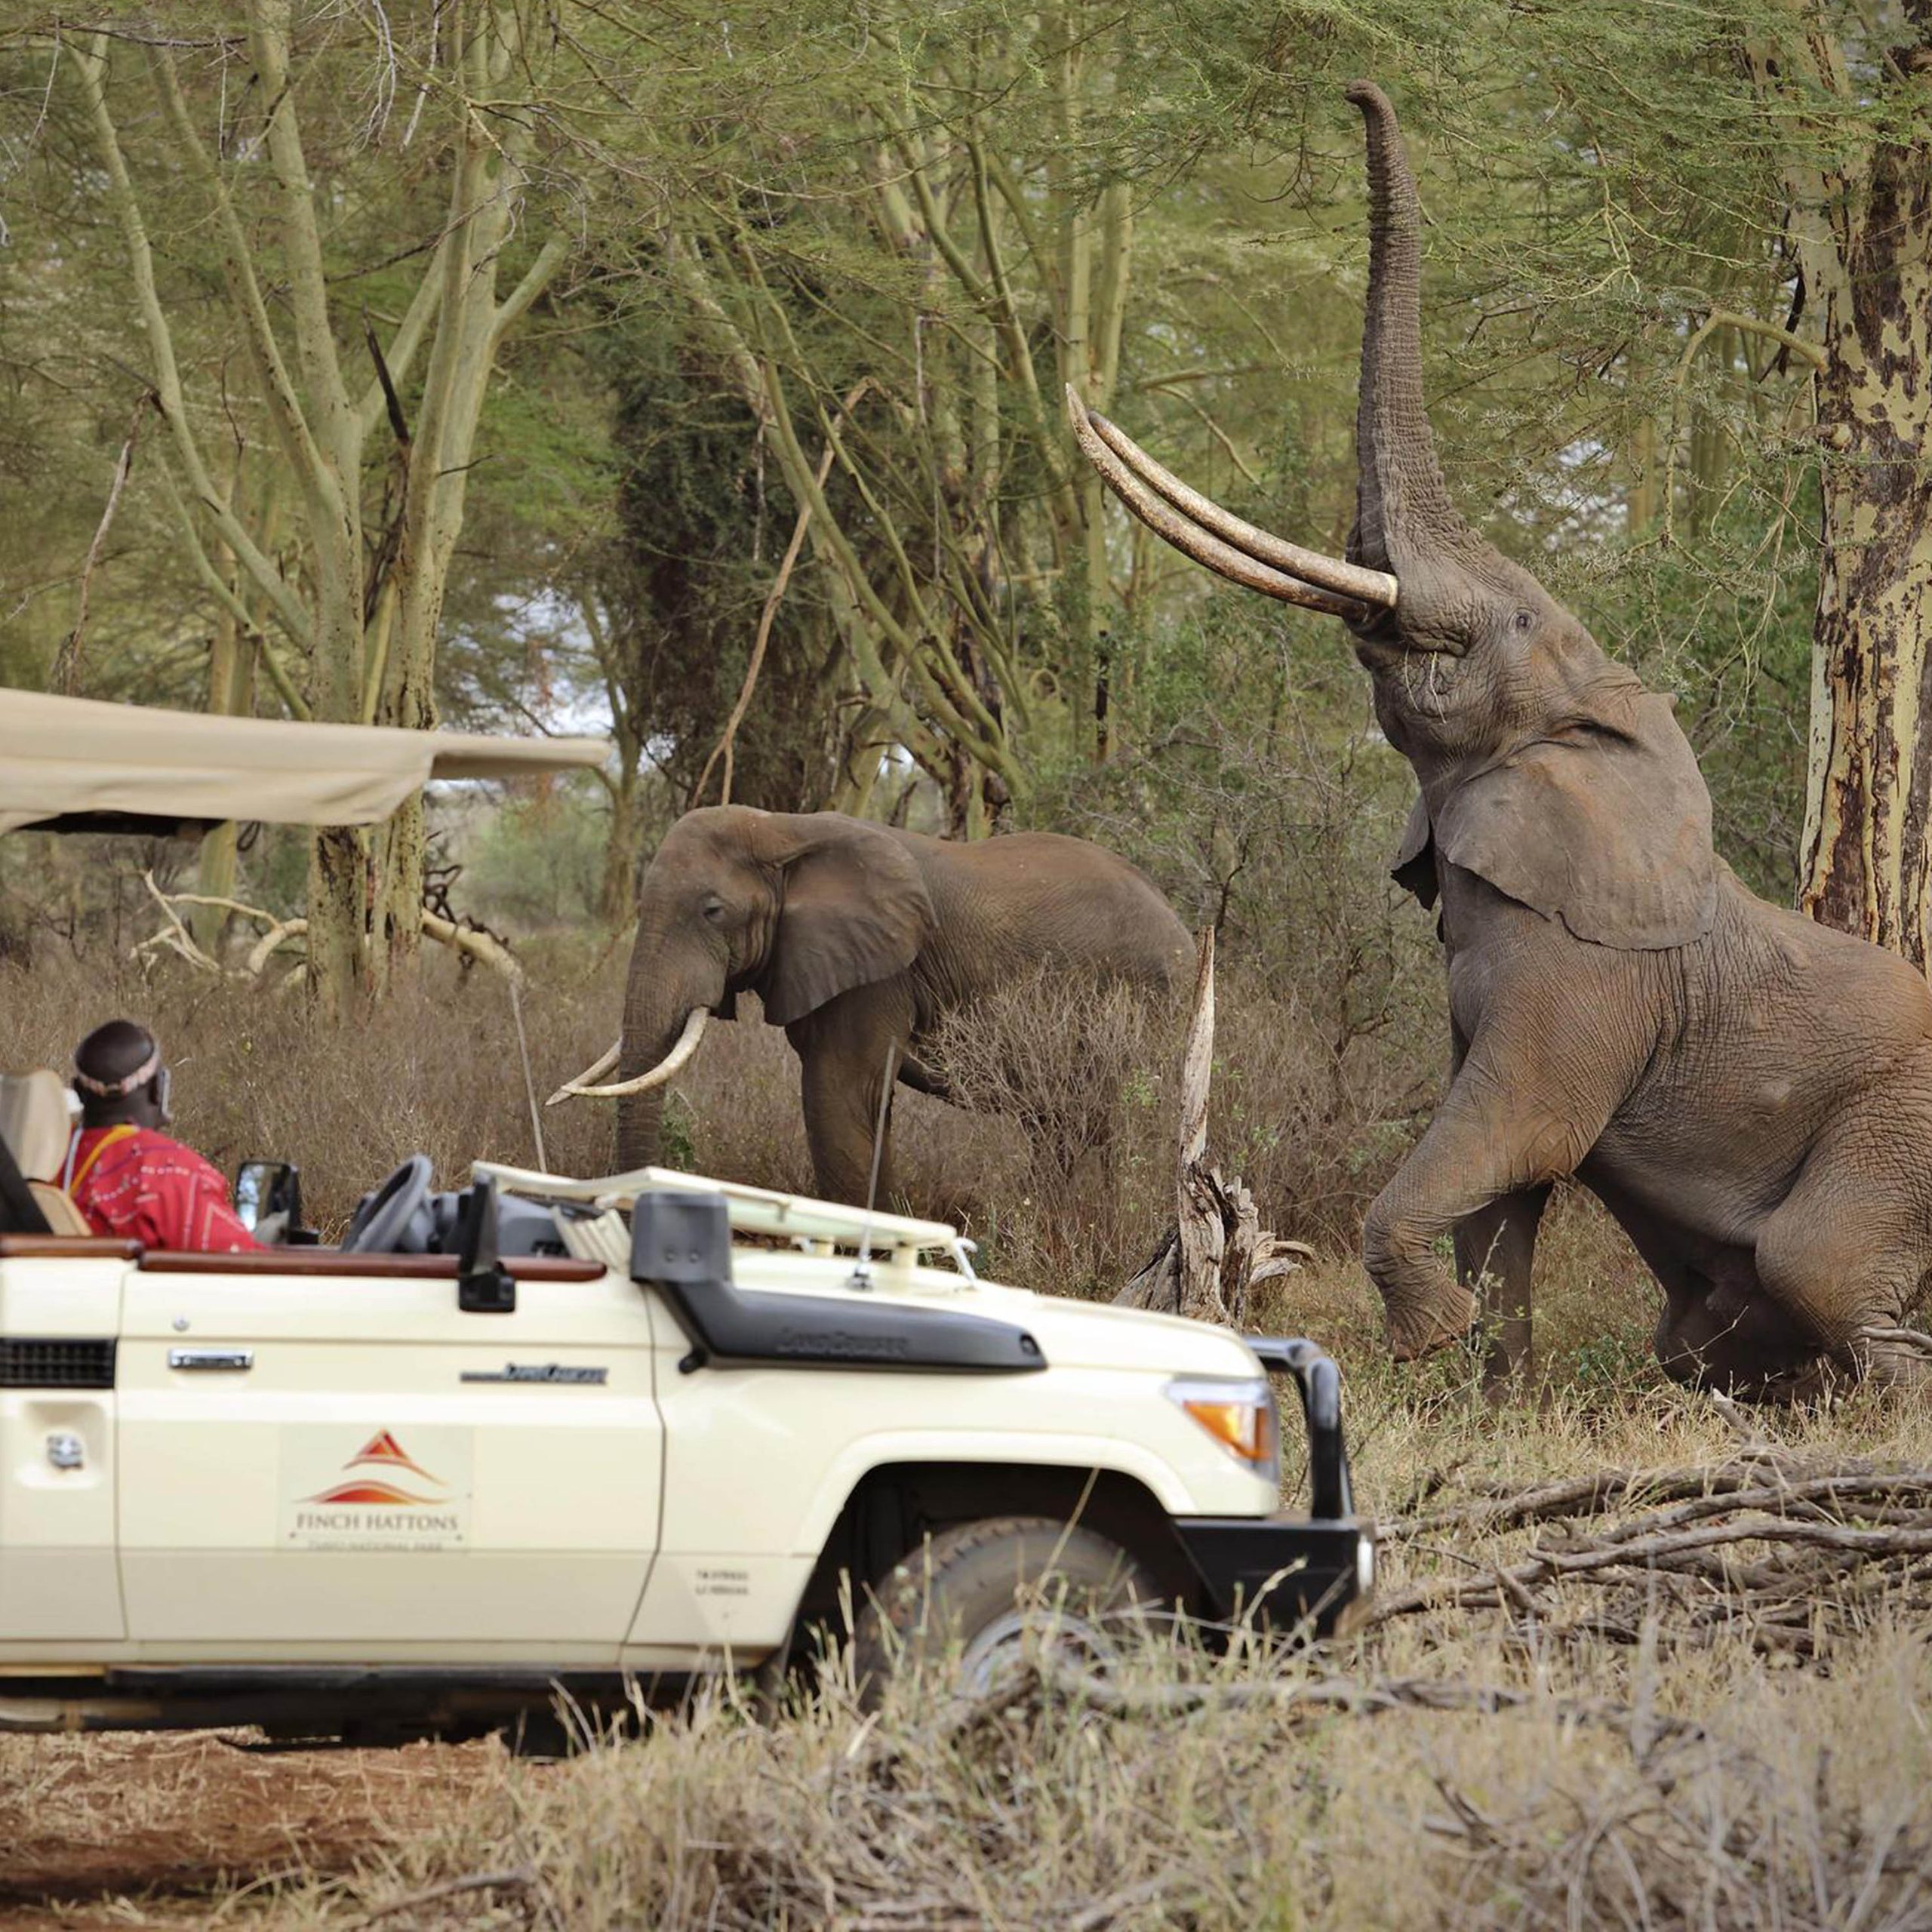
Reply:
x=383, y=1216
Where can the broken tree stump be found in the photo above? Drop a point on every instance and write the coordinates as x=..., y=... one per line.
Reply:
x=1216, y=1251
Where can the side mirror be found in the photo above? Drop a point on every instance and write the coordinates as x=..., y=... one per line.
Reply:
x=684, y=1238
x=484, y=1286
x=264, y=1189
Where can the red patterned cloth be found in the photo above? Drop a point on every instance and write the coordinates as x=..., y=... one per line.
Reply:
x=139, y=1185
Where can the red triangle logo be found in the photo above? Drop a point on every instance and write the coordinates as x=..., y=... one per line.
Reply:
x=383, y=1447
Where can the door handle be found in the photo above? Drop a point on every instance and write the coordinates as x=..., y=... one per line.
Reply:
x=230, y=1359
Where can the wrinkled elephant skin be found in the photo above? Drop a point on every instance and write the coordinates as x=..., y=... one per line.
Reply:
x=1748, y=1093
x=856, y=938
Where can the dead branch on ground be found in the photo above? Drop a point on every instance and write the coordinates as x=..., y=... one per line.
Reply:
x=1786, y=1547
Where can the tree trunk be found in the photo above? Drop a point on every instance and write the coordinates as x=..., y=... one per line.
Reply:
x=231, y=694
x=623, y=848
x=1865, y=859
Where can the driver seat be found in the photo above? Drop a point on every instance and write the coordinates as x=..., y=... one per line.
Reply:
x=35, y=1125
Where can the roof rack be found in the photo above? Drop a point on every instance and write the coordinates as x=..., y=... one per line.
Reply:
x=760, y=1211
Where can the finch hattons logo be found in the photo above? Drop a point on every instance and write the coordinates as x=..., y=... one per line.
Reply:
x=384, y=1496
x=383, y=1451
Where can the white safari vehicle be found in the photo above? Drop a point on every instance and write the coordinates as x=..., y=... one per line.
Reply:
x=547, y=1435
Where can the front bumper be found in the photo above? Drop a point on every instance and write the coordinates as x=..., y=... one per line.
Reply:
x=1285, y=1571
x=1279, y=1572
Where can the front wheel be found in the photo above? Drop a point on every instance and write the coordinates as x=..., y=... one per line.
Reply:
x=978, y=1599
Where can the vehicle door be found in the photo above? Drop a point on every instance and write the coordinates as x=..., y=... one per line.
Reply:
x=323, y=1457
x=59, y=1305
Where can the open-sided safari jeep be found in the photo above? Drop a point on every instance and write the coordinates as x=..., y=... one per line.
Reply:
x=625, y=1432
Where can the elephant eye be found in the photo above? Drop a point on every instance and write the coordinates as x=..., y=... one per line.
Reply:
x=714, y=910
x=1524, y=620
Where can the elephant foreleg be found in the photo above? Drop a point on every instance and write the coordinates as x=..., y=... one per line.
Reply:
x=1499, y=1139
x=1495, y=1250
x=843, y=1051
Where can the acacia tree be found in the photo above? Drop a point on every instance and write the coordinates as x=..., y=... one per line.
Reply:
x=1859, y=189
x=377, y=466
x=898, y=245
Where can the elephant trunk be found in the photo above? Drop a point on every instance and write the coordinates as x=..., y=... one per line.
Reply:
x=1405, y=522
x=670, y=991
x=639, y=1131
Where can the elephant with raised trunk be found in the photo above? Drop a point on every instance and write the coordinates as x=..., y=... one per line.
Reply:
x=856, y=938
x=1750, y=1094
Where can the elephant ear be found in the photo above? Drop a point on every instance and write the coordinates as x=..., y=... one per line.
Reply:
x=1414, y=869
x=1604, y=824
x=855, y=910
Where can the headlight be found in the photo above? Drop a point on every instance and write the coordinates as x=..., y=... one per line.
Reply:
x=1239, y=1413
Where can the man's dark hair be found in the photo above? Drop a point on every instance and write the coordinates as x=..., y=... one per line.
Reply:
x=119, y=1075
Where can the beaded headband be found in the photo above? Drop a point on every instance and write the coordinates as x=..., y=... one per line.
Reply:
x=116, y=1090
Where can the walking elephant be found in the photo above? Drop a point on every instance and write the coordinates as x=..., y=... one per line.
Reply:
x=856, y=937
x=1748, y=1093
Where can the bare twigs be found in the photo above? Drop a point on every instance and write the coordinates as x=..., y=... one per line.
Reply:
x=1772, y=1541
x=774, y=596
x=518, y=1878
x=471, y=943
x=67, y=659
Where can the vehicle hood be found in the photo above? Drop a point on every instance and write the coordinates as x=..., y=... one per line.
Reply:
x=1071, y=1334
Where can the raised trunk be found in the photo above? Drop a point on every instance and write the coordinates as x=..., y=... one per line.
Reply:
x=1867, y=860
x=1402, y=505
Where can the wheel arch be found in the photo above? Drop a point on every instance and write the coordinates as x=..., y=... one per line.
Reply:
x=893, y=1506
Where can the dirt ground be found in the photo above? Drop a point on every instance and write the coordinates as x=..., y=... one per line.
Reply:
x=132, y=1831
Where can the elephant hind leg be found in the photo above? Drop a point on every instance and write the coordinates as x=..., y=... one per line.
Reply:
x=1722, y=1330
x=1847, y=1254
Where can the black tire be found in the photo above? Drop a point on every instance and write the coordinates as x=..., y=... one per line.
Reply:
x=979, y=1594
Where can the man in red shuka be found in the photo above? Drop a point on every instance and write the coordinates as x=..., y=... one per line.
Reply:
x=128, y=1178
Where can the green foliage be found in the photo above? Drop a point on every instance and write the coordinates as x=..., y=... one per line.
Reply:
x=535, y=860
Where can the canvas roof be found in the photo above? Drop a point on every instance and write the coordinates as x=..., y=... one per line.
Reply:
x=71, y=764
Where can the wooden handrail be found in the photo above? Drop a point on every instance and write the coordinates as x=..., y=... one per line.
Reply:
x=99, y=1248
x=330, y=1261
x=284, y=1261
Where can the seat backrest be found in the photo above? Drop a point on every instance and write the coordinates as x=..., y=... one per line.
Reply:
x=34, y=1122
x=58, y=1209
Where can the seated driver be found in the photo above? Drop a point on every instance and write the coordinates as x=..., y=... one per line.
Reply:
x=129, y=1179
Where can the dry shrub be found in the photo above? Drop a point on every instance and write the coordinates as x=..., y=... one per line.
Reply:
x=1084, y=1075
x=1086, y=1080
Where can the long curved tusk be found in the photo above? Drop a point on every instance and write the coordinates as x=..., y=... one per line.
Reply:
x=1189, y=538
x=596, y=1070
x=687, y=1045
x=1355, y=580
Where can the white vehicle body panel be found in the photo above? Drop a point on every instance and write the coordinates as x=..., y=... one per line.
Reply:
x=60, y=1581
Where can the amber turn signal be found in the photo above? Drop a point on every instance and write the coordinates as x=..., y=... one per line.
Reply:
x=1239, y=1414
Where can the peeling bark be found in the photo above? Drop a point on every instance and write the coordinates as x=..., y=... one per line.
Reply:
x=1864, y=236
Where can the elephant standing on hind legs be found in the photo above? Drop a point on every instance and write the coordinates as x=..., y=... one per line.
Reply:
x=1750, y=1094
x=856, y=937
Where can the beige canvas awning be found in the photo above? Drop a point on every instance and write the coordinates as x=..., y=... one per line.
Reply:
x=76, y=765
